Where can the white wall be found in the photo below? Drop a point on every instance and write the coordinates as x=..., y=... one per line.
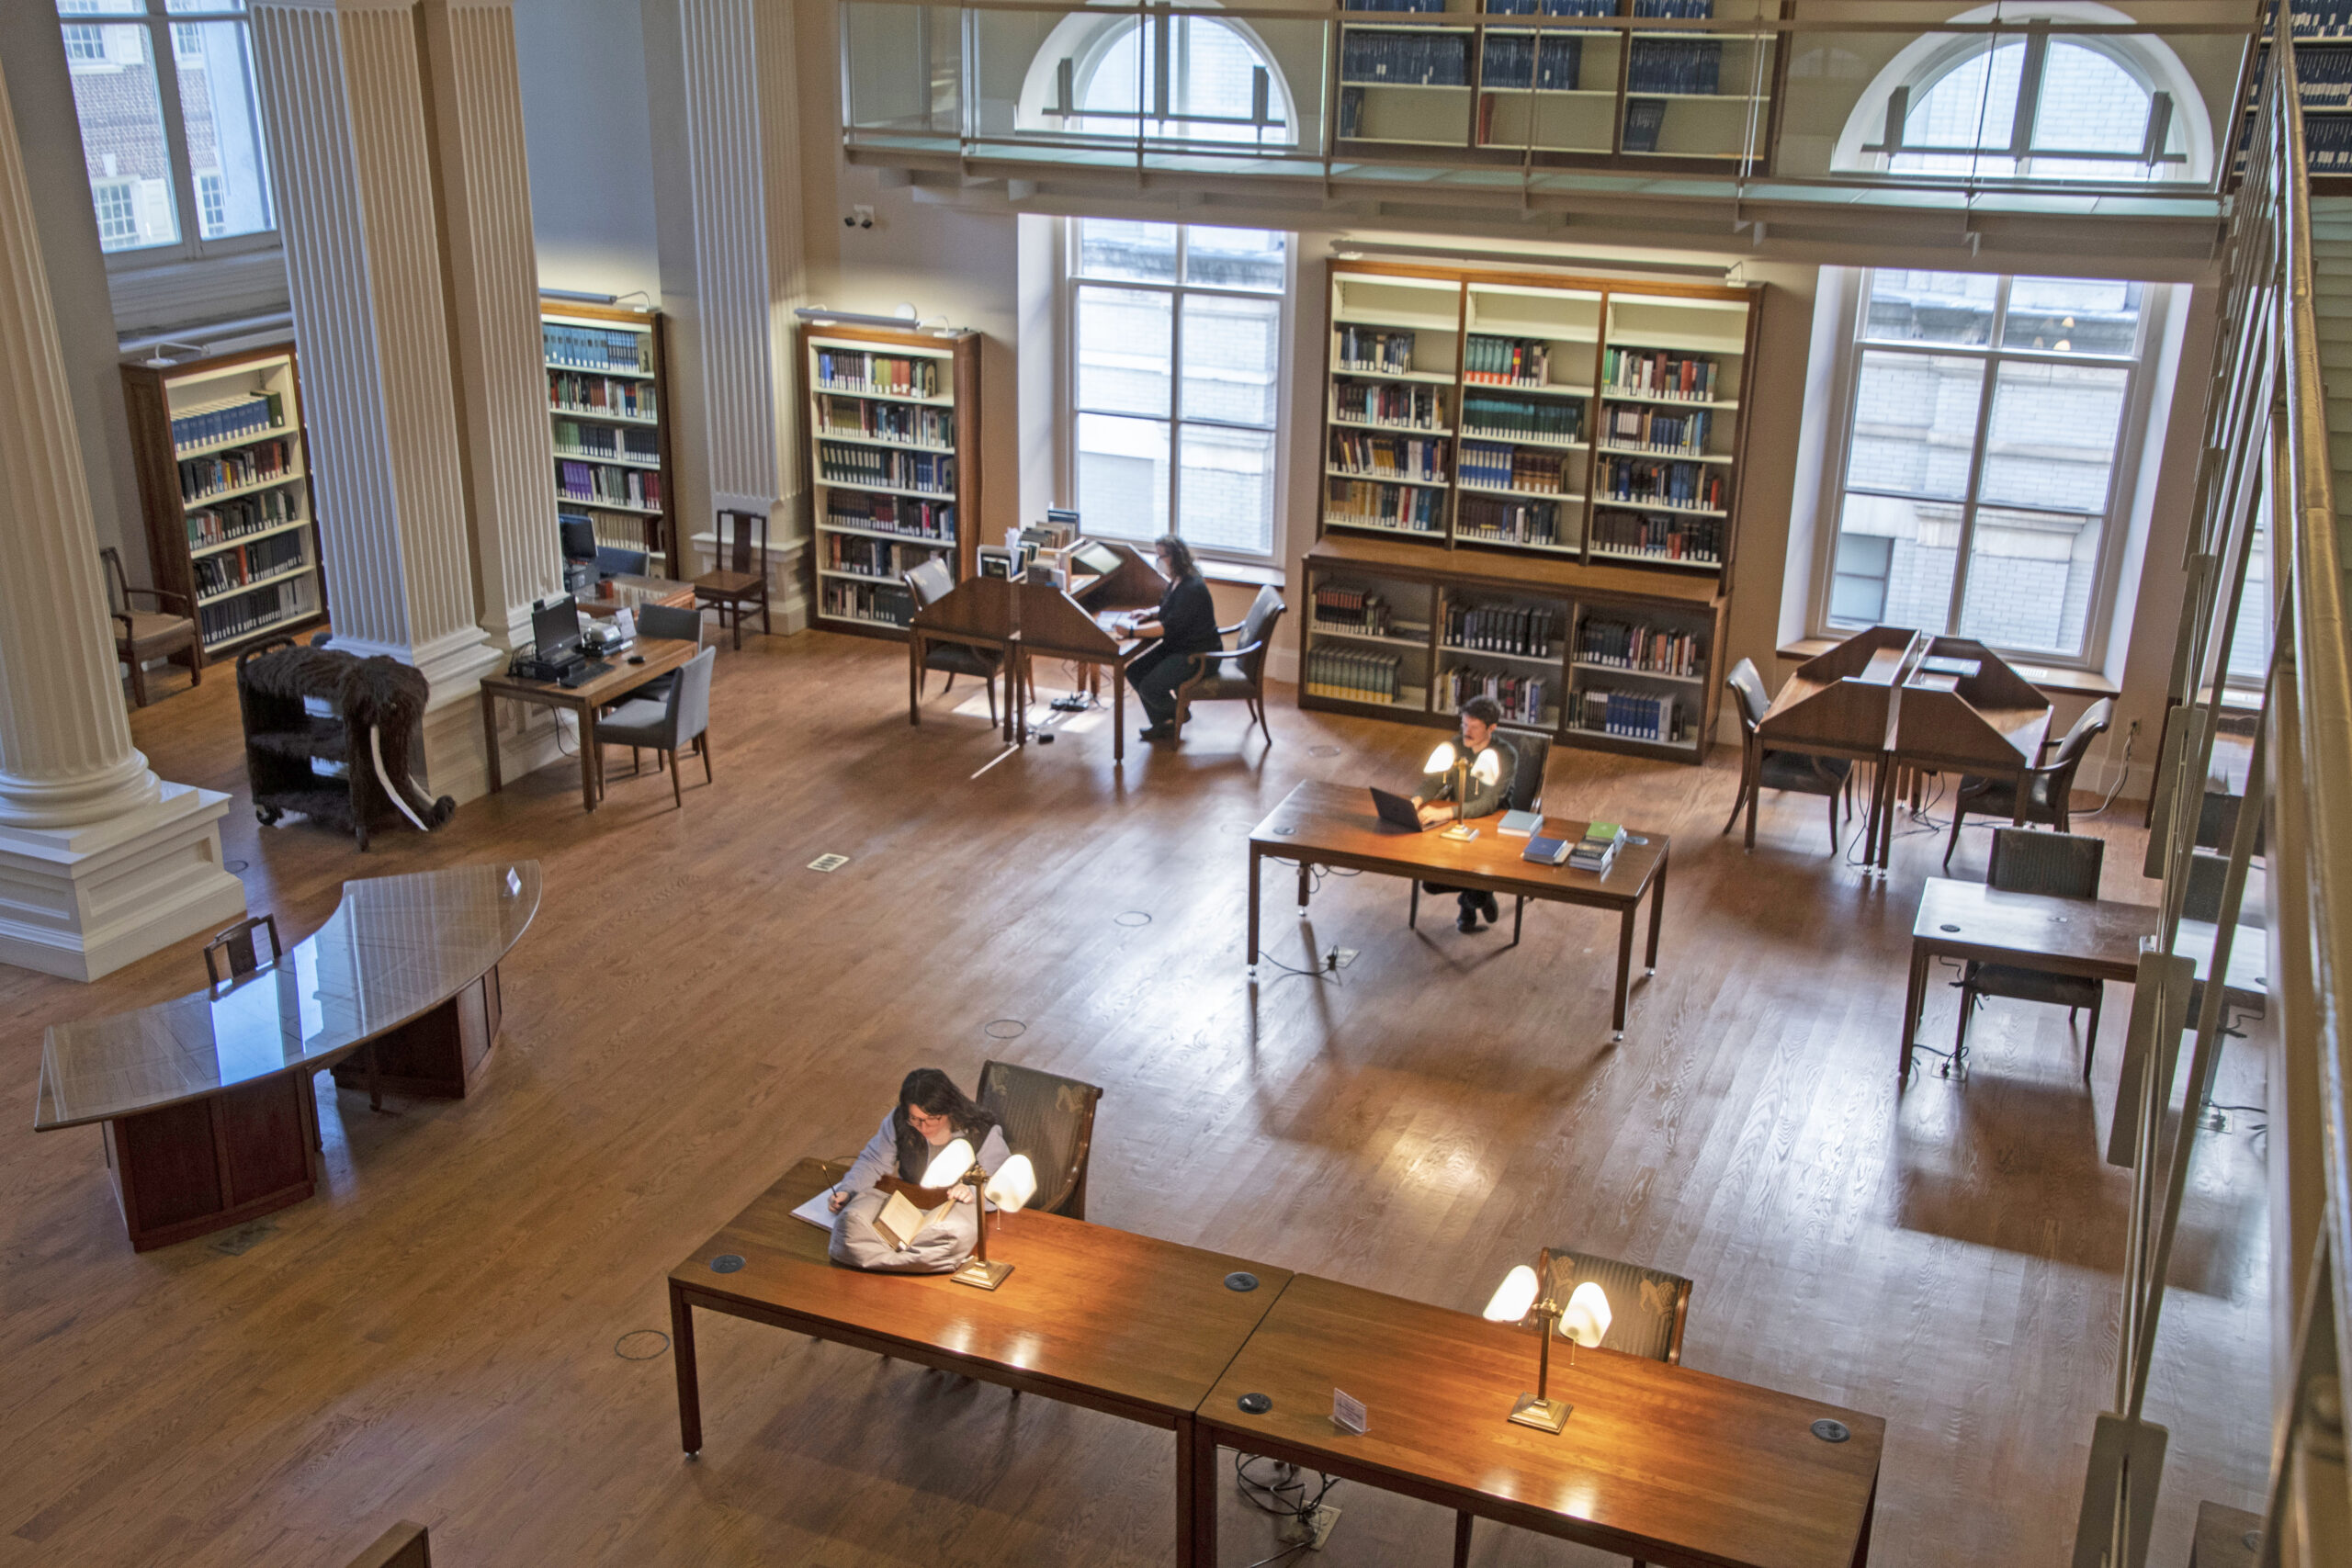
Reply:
x=588, y=130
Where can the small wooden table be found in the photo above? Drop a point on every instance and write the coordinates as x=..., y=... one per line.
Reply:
x=1329, y=824
x=2098, y=938
x=1656, y=1461
x=1100, y=1318
x=662, y=655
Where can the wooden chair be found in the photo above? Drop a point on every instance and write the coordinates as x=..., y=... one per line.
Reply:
x=2050, y=787
x=1051, y=1120
x=2060, y=865
x=740, y=579
x=405, y=1545
x=668, y=727
x=167, y=632
x=1240, y=675
x=1526, y=794
x=1761, y=769
x=1648, y=1311
x=237, y=950
x=929, y=584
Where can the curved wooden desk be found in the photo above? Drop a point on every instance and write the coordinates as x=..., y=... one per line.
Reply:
x=206, y=1099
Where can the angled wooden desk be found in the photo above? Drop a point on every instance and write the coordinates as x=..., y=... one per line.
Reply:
x=1329, y=824
x=1657, y=1463
x=1846, y=703
x=662, y=655
x=1100, y=1318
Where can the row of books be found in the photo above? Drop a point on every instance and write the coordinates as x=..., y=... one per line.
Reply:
x=874, y=557
x=1507, y=522
x=1411, y=507
x=2313, y=19
x=569, y=391
x=882, y=375
x=886, y=422
x=240, y=515
x=1513, y=467
x=241, y=564
x=1632, y=425
x=1371, y=348
x=1517, y=8
x=928, y=472
x=1353, y=674
x=1519, y=696
x=891, y=514
x=1385, y=402
x=886, y=604
x=200, y=477
x=1529, y=630
x=1390, y=457
x=1519, y=60
x=1689, y=487
x=2327, y=139
x=264, y=606
x=1656, y=372
x=226, y=422
x=1687, y=10
x=1686, y=67
x=1554, y=418
x=1697, y=540
x=607, y=441
x=597, y=348
x=595, y=482
x=1388, y=59
x=1632, y=646
x=2324, y=76
x=1634, y=715
x=1507, y=362
x=1361, y=608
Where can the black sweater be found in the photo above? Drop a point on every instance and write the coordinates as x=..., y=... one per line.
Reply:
x=1188, y=618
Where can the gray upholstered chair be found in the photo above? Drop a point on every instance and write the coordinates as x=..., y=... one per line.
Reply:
x=1051, y=1120
x=929, y=584
x=1239, y=675
x=674, y=622
x=668, y=727
x=2062, y=866
x=619, y=560
x=2050, y=786
x=1795, y=770
x=1526, y=794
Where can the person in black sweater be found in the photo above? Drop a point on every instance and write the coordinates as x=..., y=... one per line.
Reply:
x=1185, y=625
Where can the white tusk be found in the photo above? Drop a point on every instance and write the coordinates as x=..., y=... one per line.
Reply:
x=376, y=749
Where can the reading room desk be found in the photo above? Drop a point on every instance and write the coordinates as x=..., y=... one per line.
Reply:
x=661, y=654
x=1657, y=1463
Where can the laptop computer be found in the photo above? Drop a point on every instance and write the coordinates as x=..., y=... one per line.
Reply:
x=1397, y=811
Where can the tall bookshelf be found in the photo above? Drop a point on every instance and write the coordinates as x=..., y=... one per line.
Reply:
x=893, y=453
x=224, y=480
x=1533, y=479
x=608, y=407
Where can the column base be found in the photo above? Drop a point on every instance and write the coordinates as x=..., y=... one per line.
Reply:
x=82, y=902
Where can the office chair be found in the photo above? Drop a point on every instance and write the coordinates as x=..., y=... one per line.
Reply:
x=2050, y=786
x=2060, y=865
x=1051, y=1120
x=1796, y=771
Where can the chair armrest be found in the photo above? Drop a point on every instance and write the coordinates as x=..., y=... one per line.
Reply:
x=122, y=621
x=164, y=597
x=1229, y=631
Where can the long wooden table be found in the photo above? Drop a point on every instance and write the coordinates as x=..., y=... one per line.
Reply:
x=1096, y=1317
x=1329, y=824
x=662, y=655
x=1656, y=1461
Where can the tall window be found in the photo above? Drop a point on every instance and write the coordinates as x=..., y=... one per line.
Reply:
x=1178, y=337
x=1980, y=492
x=171, y=127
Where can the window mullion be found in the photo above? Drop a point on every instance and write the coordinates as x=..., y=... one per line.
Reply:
x=1176, y=390
x=1975, y=489
x=161, y=51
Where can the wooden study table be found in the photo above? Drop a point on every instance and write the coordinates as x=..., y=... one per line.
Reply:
x=1100, y=1318
x=1019, y=622
x=629, y=591
x=662, y=655
x=1329, y=824
x=1842, y=704
x=2099, y=938
x=1656, y=1461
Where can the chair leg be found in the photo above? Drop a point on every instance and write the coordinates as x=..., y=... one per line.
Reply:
x=1833, y=819
x=1517, y=914
x=990, y=682
x=195, y=665
x=677, y=791
x=138, y=682
x=635, y=767
x=2090, y=1041
x=767, y=626
x=1413, y=911
x=702, y=744
x=1960, y=1041
x=1959, y=814
x=1738, y=804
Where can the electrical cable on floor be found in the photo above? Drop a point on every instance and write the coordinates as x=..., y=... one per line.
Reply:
x=2122, y=772
x=1283, y=1495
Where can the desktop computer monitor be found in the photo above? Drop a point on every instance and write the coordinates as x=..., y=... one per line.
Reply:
x=555, y=627
x=579, y=537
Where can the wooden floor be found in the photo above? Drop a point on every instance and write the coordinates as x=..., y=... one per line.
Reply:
x=436, y=1336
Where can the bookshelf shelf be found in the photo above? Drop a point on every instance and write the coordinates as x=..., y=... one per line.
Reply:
x=607, y=459
x=1429, y=378
x=1661, y=453
x=1377, y=477
x=266, y=575
x=619, y=360
x=1644, y=674
x=587, y=504
x=1508, y=439
x=1439, y=433
x=1612, y=395
x=631, y=373
x=602, y=416
x=1562, y=497
x=860, y=383
x=1351, y=635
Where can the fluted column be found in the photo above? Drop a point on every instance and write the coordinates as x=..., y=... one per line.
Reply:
x=99, y=862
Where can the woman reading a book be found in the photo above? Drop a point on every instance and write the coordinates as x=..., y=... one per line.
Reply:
x=931, y=1114
x=1480, y=798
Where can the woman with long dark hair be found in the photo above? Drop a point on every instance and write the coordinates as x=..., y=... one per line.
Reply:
x=1185, y=625
x=932, y=1113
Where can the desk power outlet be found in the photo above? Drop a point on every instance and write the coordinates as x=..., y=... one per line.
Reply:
x=1314, y=1529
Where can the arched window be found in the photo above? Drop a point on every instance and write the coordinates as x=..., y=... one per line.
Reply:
x=1169, y=78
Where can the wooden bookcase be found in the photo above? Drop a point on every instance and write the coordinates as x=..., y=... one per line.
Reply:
x=608, y=404
x=1566, y=451
x=224, y=480
x=894, y=466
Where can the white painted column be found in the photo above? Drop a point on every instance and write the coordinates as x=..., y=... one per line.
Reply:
x=343, y=97
x=100, y=862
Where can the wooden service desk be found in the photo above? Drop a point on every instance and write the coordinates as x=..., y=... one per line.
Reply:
x=1657, y=1463
x=662, y=655
x=1096, y=1317
x=1330, y=824
x=207, y=1099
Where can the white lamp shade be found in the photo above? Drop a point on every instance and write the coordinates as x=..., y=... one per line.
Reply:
x=1489, y=768
x=948, y=1165
x=1014, y=1183
x=1441, y=759
x=1586, y=1320
x=1513, y=1296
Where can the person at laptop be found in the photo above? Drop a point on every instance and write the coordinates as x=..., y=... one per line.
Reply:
x=932, y=1113
x=1434, y=799
x=1185, y=625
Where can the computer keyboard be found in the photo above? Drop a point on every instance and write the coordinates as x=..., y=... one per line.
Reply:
x=580, y=674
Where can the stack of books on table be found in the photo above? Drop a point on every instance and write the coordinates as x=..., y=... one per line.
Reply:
x=1597, y=852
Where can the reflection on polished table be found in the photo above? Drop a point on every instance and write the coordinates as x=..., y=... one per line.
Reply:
x=207, y=1102
x=1100, y=1318
x=1657, y=1463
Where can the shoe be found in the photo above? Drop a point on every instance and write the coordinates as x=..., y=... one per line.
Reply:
x=1468, y=923
x=1493, y=911
x=1156, y=732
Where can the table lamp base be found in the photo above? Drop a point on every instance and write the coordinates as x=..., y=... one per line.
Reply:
x=1544, y=1414
x=985, y=1276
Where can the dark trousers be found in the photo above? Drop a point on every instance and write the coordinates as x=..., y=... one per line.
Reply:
x=1155, y=675
x=1472, y=903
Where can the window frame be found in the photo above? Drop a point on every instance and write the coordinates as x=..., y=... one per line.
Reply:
x=1073, y=281
x=162, y=52
x=2120, y=523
